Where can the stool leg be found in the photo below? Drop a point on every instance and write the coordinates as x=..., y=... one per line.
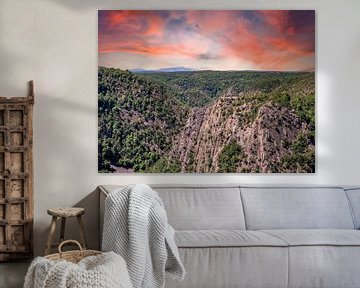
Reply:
x=62, y=231
x=82, y=232
x=51, y=235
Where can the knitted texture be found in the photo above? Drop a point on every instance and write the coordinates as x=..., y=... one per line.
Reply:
x=136, y=227
x=102, y=271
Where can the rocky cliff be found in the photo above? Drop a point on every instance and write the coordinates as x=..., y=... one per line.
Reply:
x=264, y=135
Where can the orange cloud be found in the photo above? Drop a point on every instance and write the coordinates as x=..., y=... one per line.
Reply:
x=276, y=46
x=118, y=17
x=278, y=19
x=283, y=44
x=159, y=49
x=156, y=26
x=269, y=53
x=211, y=22
x=143, y=32
x=240, y=42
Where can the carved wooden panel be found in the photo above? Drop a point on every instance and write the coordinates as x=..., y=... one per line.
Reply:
x=16, y=177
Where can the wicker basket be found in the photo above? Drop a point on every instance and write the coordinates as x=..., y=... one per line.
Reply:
x=72, y=256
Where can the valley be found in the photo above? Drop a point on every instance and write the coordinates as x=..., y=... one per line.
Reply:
x=206, y=121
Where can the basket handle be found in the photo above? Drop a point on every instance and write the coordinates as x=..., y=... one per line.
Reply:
x=69, y=241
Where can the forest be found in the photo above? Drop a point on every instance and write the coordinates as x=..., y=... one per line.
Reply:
x=206, y=122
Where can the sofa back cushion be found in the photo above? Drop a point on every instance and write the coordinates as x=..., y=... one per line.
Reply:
x=203, y=208
x=296, y=208
x=354, y=198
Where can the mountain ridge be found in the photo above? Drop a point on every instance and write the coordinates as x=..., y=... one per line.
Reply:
x=164, y=70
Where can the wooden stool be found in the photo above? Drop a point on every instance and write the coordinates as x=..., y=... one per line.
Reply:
x=64, y=213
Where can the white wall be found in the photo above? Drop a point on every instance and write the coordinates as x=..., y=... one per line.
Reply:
x=55, y=44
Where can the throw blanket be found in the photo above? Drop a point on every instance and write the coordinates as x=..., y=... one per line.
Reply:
x=136, y=227
x=103, y=271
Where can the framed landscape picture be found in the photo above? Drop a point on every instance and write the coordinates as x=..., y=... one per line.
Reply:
x=197, y=91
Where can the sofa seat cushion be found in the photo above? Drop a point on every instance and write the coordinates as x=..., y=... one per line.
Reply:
x=225, y=238
x=317, y=237
x=323, y=258
x=233, y=267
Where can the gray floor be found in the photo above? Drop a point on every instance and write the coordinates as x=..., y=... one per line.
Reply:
x=12, y=274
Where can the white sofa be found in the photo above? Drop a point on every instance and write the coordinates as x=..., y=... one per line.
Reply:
x=264, y=237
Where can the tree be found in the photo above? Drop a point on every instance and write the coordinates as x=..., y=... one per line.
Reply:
x=230, y=157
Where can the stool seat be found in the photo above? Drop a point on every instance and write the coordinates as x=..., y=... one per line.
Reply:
x=66, y=211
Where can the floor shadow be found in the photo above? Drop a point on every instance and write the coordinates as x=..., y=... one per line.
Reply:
x=12, y=275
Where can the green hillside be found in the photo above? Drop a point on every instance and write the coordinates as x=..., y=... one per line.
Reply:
x=199, y=88
x=137, y=120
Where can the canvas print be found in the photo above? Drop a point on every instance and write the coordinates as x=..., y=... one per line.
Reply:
x=198, y=91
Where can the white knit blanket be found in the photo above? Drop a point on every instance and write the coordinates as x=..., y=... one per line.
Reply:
x=103, y=271
x=136, y=227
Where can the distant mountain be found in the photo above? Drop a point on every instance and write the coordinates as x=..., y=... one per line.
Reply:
x=164, y=70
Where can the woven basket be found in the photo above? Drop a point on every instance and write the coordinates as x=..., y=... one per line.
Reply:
x=72, y=256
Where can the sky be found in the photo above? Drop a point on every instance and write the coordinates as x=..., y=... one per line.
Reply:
x=266, y=40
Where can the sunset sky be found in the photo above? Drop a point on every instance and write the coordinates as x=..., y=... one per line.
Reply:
x=281, y=40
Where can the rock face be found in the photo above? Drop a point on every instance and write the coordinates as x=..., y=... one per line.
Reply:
x=264, y=134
